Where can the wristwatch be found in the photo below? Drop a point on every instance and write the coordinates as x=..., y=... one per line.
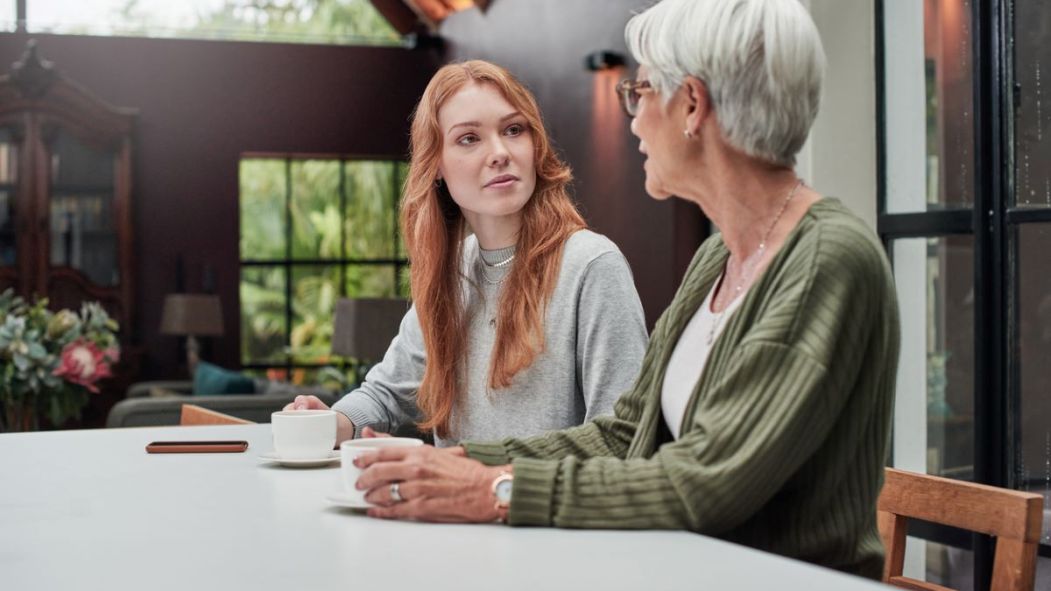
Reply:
x=502, y=486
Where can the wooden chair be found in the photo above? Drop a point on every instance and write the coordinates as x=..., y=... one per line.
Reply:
x=199, y=415
x=1013, y=517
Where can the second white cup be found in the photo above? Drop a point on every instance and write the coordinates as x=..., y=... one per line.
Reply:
x=353, y=448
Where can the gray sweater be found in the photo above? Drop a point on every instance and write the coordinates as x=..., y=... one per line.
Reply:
x=595, y=339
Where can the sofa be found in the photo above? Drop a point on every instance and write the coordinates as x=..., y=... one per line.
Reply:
x=160, y=403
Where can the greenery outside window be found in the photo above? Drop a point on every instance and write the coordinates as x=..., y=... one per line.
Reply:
x=313, y=231
x=338, y=22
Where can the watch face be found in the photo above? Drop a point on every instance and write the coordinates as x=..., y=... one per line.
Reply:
x=503, y=491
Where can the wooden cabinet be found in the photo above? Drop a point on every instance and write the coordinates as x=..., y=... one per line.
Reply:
x=65, y=192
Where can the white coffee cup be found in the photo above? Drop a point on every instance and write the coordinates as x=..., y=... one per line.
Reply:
x=303, y=434
x=353, y=448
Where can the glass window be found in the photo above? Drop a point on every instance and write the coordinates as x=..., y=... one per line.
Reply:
x=8, y=16
x=344, y=22
x=948, y=566
x=1032, y=114
x=314, y=293
x=316, y=212
x=8, y=194
x=370, y=221
x=935, y=433
x=263, y=225
x=1033, y=465
x=343, y=244
x=930, y=84
x=264, y=324
x=78, y=165
x=374, y=281
x=929, y=106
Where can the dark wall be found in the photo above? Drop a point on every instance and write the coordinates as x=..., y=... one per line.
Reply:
x=204, y=103
x=544, y=42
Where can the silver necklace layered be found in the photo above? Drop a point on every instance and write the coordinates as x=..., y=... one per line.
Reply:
x=501, y=264
x=491, y=281
x=749, y=264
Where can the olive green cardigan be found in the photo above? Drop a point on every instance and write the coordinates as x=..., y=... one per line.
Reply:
x=784, y=440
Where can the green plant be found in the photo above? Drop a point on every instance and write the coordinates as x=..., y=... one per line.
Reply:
x=50, y=361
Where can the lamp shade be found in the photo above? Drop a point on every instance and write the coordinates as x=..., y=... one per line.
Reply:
x=194, y=314
x=364, y=327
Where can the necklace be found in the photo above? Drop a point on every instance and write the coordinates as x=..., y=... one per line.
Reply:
x=749, y=268
x=503, y=263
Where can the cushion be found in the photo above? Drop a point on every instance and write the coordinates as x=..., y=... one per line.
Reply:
x=158, y=392
x=211, y=379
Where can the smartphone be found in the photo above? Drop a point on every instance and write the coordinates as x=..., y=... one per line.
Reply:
x=190, y=447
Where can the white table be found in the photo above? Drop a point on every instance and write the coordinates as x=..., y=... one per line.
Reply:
x=92, y=510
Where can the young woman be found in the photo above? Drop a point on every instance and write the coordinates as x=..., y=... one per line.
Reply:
x=523, y=321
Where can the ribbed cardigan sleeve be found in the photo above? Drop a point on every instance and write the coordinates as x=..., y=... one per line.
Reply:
x=755, y=430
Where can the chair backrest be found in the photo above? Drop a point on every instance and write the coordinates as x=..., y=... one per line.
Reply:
x=1013, y=517
x=198, y=415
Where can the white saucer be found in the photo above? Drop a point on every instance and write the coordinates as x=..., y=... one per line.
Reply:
x=344, y=499
x=333, y=456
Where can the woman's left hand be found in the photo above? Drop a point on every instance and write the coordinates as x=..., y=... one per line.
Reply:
x=434, y=484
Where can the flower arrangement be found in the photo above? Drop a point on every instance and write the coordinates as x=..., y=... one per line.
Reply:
x=50, y=361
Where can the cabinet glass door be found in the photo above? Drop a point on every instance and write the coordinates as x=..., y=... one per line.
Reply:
x=83, y=233
x=8, y=196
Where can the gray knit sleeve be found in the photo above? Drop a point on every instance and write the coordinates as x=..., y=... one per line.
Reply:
x=611, y=333
x=386, y=400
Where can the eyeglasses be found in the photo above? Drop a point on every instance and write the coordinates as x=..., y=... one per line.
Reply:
x=629, y=92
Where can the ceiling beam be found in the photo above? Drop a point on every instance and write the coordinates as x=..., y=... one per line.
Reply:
x=405, y=15
x=398, y=14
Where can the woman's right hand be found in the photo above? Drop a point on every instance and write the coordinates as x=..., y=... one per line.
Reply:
x=369, y=433
x=344, y=428
x=306, y=403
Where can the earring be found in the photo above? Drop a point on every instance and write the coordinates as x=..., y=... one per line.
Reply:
x=437, y=183
x=687, y=134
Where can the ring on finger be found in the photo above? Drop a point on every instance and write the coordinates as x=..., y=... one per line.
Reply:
x=395, y=494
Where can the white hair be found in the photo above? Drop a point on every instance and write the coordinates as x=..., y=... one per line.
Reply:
x=761, y=60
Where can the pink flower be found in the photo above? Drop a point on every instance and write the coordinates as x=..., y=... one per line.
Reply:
x=112, y=354
x=84, y=364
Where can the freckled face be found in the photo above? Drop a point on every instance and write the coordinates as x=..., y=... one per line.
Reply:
x=487, y=157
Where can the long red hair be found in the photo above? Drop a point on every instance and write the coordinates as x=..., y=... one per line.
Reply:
x=434, y=228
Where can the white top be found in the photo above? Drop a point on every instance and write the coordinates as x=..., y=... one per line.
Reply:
x=90, y=509
x=690, y=355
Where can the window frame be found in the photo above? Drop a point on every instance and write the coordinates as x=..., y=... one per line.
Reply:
x=288, y=263
x=994, y=222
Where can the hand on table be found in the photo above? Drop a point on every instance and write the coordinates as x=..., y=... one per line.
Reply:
x=435, y=484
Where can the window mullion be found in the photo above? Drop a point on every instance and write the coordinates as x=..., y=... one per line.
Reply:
x=288, y=266
x=990, y=314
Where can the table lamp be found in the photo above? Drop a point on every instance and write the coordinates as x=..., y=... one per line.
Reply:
x=191, y=316
x=364, y=328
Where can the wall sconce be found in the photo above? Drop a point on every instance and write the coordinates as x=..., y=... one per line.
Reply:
x=597, y=61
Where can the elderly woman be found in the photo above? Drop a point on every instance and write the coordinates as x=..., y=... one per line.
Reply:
x=761, y=414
